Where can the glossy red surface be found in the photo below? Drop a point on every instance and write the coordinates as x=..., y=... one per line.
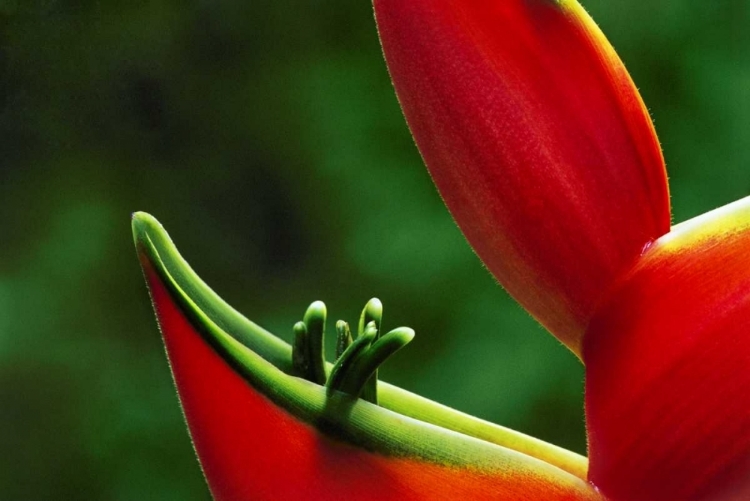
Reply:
x=537, y=140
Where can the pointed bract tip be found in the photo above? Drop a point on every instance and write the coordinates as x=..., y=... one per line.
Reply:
x=141, y=223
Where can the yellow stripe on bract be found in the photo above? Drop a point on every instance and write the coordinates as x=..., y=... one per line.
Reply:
x=722, y=222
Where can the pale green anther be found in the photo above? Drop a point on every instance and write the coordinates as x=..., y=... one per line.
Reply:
x=315, y=321
x=366, y=363
x=343, y=338
x=300, y=352
x=372, y=312
x=347, y=359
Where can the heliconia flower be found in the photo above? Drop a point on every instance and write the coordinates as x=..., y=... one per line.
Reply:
x=264, y=432
x=544, y=153
x=538, y=141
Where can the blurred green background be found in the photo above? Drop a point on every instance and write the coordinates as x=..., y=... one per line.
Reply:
x=266, y=137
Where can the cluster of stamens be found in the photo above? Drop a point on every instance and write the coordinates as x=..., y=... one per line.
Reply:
x=355, y=370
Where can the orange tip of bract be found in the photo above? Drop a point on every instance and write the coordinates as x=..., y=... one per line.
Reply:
x=537, y=140
x=668, y=368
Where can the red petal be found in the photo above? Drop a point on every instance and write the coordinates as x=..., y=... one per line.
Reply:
x=537, y=140
x=668, y=368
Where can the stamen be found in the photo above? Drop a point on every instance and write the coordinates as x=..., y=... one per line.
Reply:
x=300, y=352
x=372, y=312
x=357, y=361
x=343, y=365
x=315, y=321
x=343, y=338
x=365, y=365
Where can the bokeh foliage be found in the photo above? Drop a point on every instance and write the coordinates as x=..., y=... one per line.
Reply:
x=266, y=136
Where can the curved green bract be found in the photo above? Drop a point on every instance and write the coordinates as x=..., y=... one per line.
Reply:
x=402, y=424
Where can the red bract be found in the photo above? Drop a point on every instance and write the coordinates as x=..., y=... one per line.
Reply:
x=537, y=140
x=544, y=153
x=264, y=435
x=668, y=367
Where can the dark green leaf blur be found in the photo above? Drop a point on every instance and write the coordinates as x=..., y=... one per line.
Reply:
x=266, y=137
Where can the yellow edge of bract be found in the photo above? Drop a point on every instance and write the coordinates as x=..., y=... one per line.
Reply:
x=409, y=404
x=724, y=221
